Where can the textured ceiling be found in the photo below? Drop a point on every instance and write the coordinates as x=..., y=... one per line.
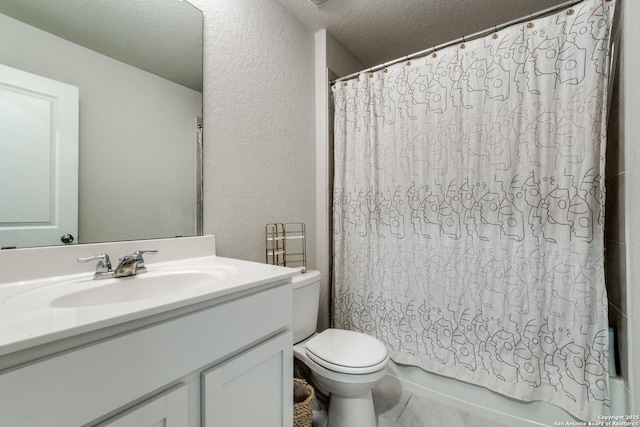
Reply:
x=377, y=31
x=144, y=32
x=163, y=37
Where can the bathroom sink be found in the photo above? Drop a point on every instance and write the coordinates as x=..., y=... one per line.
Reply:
x=83, y=291
x=135, y=288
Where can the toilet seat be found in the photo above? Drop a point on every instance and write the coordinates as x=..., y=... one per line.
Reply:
x=348, y=352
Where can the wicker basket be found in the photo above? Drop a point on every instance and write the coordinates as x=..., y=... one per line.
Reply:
x=302, y=403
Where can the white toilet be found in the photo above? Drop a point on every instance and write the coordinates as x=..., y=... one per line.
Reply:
x=345, y=365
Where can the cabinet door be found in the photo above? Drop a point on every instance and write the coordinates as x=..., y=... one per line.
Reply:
x=167, y=410
x=252, y=389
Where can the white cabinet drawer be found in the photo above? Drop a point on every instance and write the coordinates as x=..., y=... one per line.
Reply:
x=170, y=409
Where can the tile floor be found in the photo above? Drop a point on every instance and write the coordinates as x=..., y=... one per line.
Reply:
x=399, y=408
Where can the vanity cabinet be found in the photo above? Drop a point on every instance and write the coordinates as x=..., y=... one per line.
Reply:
x=225, y=362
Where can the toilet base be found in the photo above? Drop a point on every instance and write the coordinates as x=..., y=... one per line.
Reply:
x=352, y=411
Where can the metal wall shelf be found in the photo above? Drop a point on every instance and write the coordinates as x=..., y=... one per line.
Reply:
x=286, y=244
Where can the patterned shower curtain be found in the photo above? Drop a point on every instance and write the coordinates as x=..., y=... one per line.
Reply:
x=468, y=209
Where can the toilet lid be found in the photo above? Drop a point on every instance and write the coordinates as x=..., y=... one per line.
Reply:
x=347, y=351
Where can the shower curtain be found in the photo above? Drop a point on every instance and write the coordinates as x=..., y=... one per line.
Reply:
x=468, y=209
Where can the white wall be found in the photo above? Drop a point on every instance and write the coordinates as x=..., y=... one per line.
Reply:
x=331, y=60
x=259, y=158
x=630, y=114
x=622, y=228
x=125, y=191
x=616, y=240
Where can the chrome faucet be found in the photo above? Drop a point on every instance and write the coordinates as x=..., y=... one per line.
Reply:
x=128, y=265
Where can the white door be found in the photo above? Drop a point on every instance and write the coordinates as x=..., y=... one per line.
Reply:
x=38, y=160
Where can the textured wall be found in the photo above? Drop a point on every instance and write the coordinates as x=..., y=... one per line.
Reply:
x=623, y=183
x=332, y=60
x=615, y=242
x=259, y=158
x=630, y=126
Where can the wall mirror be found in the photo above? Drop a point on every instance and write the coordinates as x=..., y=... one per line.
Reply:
x=136, y=66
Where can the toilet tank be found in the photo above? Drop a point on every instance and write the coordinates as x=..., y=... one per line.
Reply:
x=306, y=296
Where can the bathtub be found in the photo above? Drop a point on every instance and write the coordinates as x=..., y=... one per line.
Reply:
x=485, y=403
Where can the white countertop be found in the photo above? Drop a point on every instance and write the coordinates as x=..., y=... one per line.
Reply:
x=28, y=319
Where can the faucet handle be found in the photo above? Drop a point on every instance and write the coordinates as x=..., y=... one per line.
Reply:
x=104, y=264
x=139, y=253
x=140, y=267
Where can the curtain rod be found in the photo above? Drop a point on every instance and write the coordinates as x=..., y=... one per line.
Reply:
x=463, y=39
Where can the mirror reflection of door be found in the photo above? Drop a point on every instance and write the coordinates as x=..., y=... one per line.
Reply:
x=38, y=160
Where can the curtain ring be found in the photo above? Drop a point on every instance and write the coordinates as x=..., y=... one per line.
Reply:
x=462, y=45
x=408, y=62
x=435, y=52
x=385, y=69
x=530, y=24
x=495, y=32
